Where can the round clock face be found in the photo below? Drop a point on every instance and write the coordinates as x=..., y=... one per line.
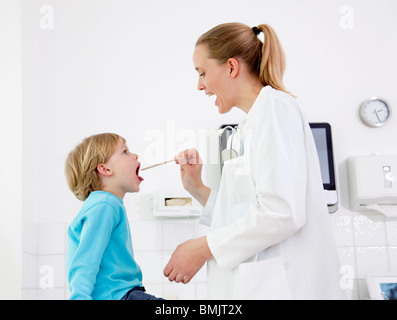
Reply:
x=375, y=112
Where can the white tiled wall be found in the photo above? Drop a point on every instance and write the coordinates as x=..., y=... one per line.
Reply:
x=154, y=241
x=44, y=248
x=367, y=244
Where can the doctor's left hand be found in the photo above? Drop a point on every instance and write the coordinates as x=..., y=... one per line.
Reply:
x=187, y=260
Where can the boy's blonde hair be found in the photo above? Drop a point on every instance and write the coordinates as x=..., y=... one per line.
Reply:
x=82, y=162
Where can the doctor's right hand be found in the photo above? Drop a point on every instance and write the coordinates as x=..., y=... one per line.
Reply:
x=191, y=167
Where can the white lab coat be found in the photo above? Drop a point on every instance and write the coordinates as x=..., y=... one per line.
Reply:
x=270, y=234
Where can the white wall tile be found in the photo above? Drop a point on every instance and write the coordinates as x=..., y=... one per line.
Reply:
x=151, y=264
x=29, y=271
x=391, y=229
x=29, y=237
x=393, y=259
x=369, y=230
x=371, y=260
x=176, y=232
x=146, y=235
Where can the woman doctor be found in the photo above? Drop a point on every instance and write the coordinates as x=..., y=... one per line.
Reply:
x=269, y=235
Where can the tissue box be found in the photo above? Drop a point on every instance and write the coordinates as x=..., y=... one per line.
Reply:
x=164, y=205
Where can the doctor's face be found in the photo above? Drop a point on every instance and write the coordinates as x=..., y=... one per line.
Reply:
x=213, y=78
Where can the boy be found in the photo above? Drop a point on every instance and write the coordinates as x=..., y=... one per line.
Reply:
x=100, y=261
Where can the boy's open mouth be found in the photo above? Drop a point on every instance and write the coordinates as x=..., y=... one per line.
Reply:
x=137, y=173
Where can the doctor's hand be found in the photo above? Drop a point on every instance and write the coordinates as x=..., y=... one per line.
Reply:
x=191, y=167
x=187, y=260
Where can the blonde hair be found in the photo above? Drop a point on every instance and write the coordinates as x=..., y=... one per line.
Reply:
x=266, y=60
x=81, y=163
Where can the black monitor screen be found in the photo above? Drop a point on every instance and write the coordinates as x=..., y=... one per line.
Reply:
x=322, y=137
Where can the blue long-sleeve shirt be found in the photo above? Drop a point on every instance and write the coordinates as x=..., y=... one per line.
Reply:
x=100, y=261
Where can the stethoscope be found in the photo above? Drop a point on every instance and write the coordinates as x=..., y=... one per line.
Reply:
x=230, y=151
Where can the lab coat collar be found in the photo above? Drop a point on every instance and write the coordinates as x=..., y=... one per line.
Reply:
x=263, y=94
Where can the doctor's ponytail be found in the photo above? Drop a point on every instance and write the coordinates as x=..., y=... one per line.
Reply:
x=264, y=59
x=272, y=62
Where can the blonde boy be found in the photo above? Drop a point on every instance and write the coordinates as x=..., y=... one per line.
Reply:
x=100, y=261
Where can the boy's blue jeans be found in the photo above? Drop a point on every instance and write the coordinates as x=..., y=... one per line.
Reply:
x=138, y=293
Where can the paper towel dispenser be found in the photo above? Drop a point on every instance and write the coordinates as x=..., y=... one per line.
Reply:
x=372, y=185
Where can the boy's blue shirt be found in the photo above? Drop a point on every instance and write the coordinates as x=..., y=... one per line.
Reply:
x=100, y=261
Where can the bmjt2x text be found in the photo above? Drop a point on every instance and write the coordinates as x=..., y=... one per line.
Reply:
x=204, y=309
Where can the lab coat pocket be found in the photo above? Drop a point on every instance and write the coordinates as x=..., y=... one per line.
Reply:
x=239, y=184
x=261, y=280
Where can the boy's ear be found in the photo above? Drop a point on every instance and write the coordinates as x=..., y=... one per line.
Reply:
x=104, y=170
